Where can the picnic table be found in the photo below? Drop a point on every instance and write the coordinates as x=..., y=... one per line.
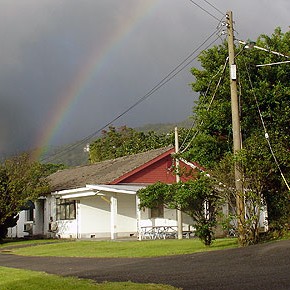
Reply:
x=162, y=232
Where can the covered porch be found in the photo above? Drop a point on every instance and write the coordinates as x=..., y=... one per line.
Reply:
x=97, y=211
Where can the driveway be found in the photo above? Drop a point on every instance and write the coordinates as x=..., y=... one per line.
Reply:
x=265, y=266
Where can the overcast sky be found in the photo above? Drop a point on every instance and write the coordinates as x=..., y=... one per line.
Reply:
x=68, y=67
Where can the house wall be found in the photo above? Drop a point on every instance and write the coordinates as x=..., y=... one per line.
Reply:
x=18, y=230
x=38, y=221
x=53, y=228
x=49, y=215
x=162, y=170
x=170, y=219
x=94, y=217
x=126, y=215
x=36, y=225
x=67, y=229
x=159, y=171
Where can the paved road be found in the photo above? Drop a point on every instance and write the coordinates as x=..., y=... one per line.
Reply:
x=265, y=266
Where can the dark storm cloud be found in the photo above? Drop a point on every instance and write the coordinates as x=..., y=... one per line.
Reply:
x=45, y=43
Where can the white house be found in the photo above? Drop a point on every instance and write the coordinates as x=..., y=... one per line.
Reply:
x=100, y=201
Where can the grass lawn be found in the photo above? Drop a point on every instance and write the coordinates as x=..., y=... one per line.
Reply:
x=150, y=248
x=16, y=279
x=7, y=243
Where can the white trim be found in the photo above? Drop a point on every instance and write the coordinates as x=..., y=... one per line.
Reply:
x=75, y=193
x=189, y=164
x=96, y=189
x=127, y=189
x=69, y=191
x=138, y=217
x=193, y=166
x=114, y=213
x=83, y=194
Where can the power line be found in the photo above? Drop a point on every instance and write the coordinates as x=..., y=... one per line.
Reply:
x=153, y=90
x=160, y=84
x=214, y=7
x=252, y=45
x=265, y=130
x=206, y=11
x=209, y=106
x=273, y=63
x=206, y=92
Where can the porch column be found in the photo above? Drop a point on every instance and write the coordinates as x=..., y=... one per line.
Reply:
x=113, y=217
x=138, y=216
x=78, y=219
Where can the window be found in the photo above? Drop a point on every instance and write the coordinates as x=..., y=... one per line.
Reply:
x=65, y=209
x=29, y=214
x=157, y=212
x=28, y=207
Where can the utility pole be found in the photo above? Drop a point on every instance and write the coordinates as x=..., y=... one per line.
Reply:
x=179, y=213
x=236, y=129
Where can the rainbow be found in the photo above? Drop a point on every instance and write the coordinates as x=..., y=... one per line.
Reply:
x=90, y=68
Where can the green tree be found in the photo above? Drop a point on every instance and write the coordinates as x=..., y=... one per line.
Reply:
x=21, y=181
x=266, y=88
x=197, y=198
x=49, y=168
x=118, y=142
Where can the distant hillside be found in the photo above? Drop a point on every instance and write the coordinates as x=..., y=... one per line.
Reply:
x=164, y=127
x=72, y=155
